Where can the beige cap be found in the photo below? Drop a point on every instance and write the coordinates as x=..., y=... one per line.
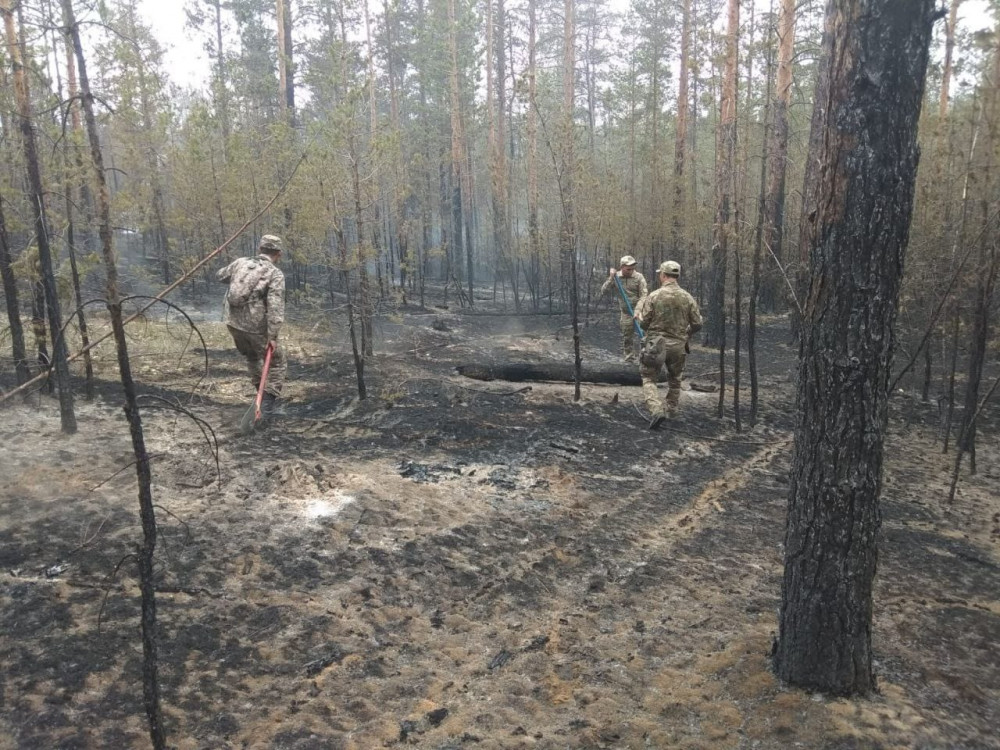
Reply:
x=670, y=268
x=627, y=260
x=270, y=242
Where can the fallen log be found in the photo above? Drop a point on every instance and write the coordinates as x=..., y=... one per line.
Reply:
x=520, y=372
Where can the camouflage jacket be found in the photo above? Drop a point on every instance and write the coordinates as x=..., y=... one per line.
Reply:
x=255, y=302
x=670, y=312
x=635, y=289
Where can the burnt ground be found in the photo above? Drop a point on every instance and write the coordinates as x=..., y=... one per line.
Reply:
x=458, y=564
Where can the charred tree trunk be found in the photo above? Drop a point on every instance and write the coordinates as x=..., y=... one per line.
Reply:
x=953, y=367
x=457, y=159
x=568, y=234
x=680, y=140
x=755, y=272
x=777, y=160
x=986, y=272
x=18, y=350
x=40, y=331
x=979, y=338
x=145, y=552
x=715, y=330
x=532, y=133
x=286, y=77
x=84, y=192
x=67, y=413
x=559, y=373
x=875, y=55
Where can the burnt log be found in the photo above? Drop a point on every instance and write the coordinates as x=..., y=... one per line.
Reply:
x=521, y=372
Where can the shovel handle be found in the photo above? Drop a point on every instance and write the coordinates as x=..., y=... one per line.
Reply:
x=628, y=306
x=263, y=380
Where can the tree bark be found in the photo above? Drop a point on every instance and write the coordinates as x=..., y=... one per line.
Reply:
x=518, y=372
x=532, y=133
x=680, y=140
x=777, y=159
x=568, y=233
x=457, y=158
x=18, y=349
x=286, y=72
x=875, y=56
x=84, y=191
x=145, y=552
x=715, y=330
x=988, y=268
x=67, y=414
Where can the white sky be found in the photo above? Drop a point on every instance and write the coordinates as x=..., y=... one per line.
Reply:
x=188, y=66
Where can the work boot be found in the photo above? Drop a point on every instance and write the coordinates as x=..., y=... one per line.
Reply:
x=269, y=406
x=657, y=421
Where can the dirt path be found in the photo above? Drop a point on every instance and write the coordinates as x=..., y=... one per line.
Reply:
x=451, y=564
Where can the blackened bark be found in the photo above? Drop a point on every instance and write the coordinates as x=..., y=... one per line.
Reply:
x=67, y=413
x=876, y=57
x=955, y=327
x=715, y=327
x=145, y=552
x=40, y=331
x=13, y=309
x=810, y=180
x=978, y=340
x=568, y=229
x=519, y=373
x=777, y=157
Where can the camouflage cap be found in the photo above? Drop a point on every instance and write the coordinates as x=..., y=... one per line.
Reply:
x=270, y=242
x=627, y=260
x=670, y=268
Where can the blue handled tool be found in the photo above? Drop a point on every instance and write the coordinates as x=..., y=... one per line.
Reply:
x=628, y=306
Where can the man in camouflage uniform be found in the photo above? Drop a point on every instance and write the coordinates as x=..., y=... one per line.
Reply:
x=634, y=285
x=254, y=312
x=668, y=316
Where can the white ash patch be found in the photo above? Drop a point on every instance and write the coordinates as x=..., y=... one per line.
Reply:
x=326, y=507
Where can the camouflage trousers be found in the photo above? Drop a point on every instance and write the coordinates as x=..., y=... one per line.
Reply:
x=252, y=346
x=628, y=337
x=658, y=351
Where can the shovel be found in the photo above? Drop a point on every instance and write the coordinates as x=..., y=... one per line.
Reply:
x=253, y=414
x=628, y=306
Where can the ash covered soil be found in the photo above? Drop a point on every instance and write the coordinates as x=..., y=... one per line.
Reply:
x=463, y=564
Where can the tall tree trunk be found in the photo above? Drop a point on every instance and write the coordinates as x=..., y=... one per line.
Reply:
x=220, y=91
x=532, y=128
x=777, y=159
x=875, y=56
x=457, y=158
x=725, y=156
x=159, y=212
x=84, y=192
x=67, y=414
x=18, y=350
x=372, y=145
x=364, y=290
x=986, y=273
x=810, y=179
x=145, y=554
x=949, y=51
x=286, y=69
x=680, y=141
x=39, y=329
x=755, y=280
x=568, y=234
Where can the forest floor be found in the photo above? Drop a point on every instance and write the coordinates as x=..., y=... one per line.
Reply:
x=463, y=564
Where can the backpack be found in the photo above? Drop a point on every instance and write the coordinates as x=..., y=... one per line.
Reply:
x=248, y=284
